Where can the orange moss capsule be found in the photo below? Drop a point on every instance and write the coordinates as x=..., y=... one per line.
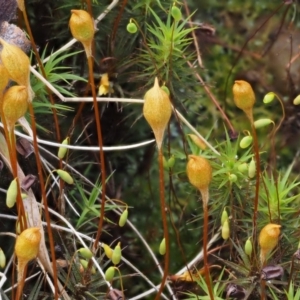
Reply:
x=157, y=111
x=268, y=239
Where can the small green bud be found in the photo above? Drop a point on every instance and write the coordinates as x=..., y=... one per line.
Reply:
x=225, y=230
x=297, y=100
x=171, y=161
x=224, y=216
x=262, y=123
x=269, y=97
x=232, y=178
x=123, y=218
x=110, y=273
x=131, y=28
x=108, y=251
x=162, y=247
x=65, y=176
x=165, y=88
x=248, y=247
x=86, y=253
x=246, y=141
x=176, y=13
x=243, y=167
x=63, y=151
x=2, y=259
x=85, y=263
x=252, y=168
x=116, y=255
x=12, y=193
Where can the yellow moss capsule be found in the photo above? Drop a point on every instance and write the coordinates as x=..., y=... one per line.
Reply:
x=15, y=104
x=2, y=259
x=197, y=141
x=4, y=78
x=86, y=253
x=123, y=218
x=82, y=28
x=110, y=273
x=17, y=65
x=157, y=111
x=268, y=239
x=108, y=251
x=199, y=172
x=246, y=141
x=12, y=193
x=65, y=176
x=252, y=169
x=244, y=97
x=62, y=151
x=225, y=230
x=248, y=247
x=28, y=243
x=162, y=247
x=117, y=254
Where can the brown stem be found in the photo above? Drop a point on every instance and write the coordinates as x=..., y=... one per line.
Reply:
x=257, y=162
x=205, y=197
x=101, y=153
x=44, y=198
x=163, y=208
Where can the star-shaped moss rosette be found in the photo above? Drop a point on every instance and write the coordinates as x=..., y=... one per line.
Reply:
x=10, y=32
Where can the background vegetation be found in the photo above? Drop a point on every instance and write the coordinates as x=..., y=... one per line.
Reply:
x=198, y=58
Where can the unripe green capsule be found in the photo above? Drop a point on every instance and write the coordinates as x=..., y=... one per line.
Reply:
x=165, y=164
x=252, y=168
x=108, y=251
x=262, y=123
x=110, y=273
x=243, y=168
x=297, y=100
x=62, y=151
x=162, y=247
x=131, y=28
x=171, y=161
x=176, y=13
x=248, y=247
x=224, y=216
x=123, y=218
x=269, y=97
x=85, y=263
x=246, y=141
x=225, y=230
x=86, y=253
x=2, y=259
x=12, y=193
x=165, y=88
x=65, y=176
x=116, y=255
x=232, y=178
